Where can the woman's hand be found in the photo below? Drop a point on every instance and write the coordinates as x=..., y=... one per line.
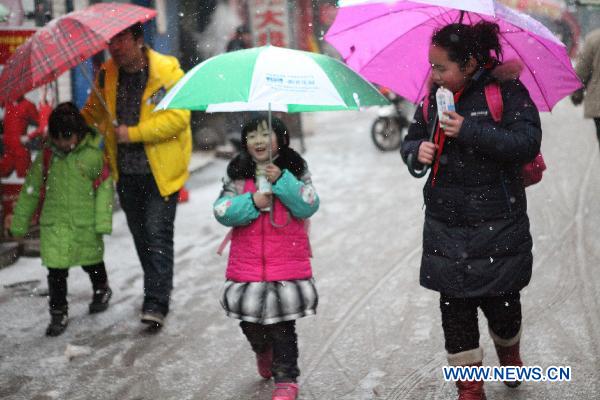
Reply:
x=272, y=173
x=452, y=123
x=262, y=200
x=426, y=152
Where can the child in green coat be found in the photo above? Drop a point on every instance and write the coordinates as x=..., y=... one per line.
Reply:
x=71, y=176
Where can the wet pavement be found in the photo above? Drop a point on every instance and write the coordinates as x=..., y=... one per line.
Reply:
x=377, y=334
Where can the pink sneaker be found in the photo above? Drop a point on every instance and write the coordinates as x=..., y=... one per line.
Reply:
x=285, y=391
x=264, y=362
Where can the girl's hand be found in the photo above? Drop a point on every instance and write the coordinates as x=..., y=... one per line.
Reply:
x=426, y=152
x=452, y=124
x=272, y=172
x=262, y=200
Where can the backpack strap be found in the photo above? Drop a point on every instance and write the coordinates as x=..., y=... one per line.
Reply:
x=225, y=242
x=493, y=97
x=425, y=108
x=104, y=174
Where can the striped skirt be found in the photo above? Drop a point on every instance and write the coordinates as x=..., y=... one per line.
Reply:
x=267, y=303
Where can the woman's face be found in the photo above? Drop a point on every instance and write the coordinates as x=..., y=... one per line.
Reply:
x=257, y=143
x=447, y=73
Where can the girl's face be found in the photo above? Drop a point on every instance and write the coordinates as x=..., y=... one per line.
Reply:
x=257, y=142
x=65, y=144
x=447, y=73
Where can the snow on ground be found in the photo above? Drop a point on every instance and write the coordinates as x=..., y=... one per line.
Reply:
x=377, y=334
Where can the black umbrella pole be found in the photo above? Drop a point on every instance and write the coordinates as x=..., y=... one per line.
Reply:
x=410, y=161
x=87, y=76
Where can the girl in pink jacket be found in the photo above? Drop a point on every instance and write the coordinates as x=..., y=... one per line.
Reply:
x=269, y=278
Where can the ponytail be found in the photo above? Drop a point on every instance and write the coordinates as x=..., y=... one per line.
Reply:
x=487, y=35
x=465, y=41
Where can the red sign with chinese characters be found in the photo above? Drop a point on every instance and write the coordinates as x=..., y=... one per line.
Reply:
x=10, y=39
x=270, y=18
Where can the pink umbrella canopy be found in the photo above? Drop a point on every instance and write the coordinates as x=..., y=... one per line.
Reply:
x=64, y=43
x=388, y=43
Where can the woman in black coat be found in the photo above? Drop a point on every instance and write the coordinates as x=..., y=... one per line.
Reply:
x=476, y=239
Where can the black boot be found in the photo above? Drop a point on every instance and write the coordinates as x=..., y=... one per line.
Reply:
x=100, y=300
x=59, y=319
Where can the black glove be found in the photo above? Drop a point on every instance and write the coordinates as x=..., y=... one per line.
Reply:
x=577, y=97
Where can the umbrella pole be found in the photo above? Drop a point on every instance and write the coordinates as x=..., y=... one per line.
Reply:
x=270, y=125
x=411, y=161
x=272, y=208
x=87, y=76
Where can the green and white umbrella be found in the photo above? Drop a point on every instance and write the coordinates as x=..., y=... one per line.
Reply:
x=271, y=78
x=4, y=13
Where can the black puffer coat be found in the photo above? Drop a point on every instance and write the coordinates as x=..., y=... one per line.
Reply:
x=476, y=239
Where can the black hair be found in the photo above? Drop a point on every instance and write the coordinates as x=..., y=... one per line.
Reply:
x=65, y=121
x=243, y=166
x=240, y=30
x=465, y=41
x=281, y=131
x=137, y=30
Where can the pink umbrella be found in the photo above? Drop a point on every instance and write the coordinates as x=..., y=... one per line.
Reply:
x=388, y=44
x=64, y=43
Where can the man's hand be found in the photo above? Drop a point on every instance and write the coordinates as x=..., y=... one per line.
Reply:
x=262, y=200
x=122, y=134
x=452, y=123
x=272, y=172
x=426, y=152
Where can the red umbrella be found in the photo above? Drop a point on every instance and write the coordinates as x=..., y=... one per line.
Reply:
x=64, y=43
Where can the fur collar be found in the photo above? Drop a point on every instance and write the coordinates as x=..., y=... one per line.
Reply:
x=507, y=71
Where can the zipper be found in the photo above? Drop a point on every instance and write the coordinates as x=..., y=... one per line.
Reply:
x=505, y=191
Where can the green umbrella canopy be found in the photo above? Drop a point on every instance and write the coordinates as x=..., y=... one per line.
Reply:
x=4, y=13
x=286, y=80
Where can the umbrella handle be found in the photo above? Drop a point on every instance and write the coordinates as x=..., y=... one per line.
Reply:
x=272, y=218
x=410, y=160
x=411, y=167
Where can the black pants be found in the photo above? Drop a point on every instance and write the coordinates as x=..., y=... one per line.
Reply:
x=597, y=121
x=282, y=338
x=57, y=283
x=459, y=319
x=150, y=218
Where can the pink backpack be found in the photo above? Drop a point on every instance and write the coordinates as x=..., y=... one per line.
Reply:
x=532, y=171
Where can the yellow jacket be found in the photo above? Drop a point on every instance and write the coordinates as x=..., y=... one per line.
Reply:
x=166, y=134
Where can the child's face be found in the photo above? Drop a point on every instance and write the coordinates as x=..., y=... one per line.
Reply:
x=447, y=73
x=257, y=142
x=65, y=144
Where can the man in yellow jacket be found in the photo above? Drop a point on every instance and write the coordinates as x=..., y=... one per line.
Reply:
x=149, y=154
